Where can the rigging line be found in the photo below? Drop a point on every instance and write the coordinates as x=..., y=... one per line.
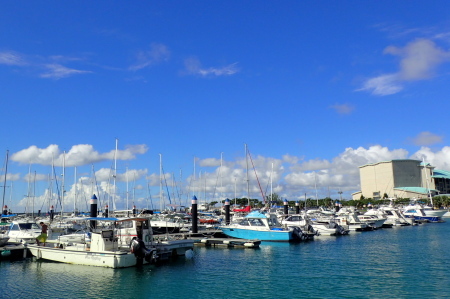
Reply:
x=215, y=186
x=257, y=179
x=58, y=199
x=165, y=182
x=96, y=187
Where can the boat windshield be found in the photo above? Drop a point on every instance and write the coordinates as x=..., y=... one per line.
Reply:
x=28, y=226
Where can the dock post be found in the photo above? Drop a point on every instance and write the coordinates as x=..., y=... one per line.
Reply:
x=52, y=214
x=336, y=206
x=227, y=211
x=297, y=207
x=194, y=215
x=5, y=210
x=134, y=210
x=286, y=212
x=106, y=211
x=93, y=211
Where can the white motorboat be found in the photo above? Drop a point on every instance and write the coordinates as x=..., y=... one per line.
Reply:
x=349, y=219
x=23, y=231
x=297, y=220
x=3, y=239
x=372, y=220
x=124, y=243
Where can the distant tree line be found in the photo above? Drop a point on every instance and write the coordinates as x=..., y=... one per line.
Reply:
x=275, y=199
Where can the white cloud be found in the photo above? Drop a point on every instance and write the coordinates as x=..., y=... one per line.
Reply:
x=57, y=71
x=343, y=108
x=419, y=60
x=11, y=58
x=427, y=138
x=78, y=155
x=440, y=159
x=383, y=85
x=194, y=67
x=157, y=53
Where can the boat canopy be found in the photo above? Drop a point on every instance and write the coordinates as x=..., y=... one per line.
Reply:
x=256, y=214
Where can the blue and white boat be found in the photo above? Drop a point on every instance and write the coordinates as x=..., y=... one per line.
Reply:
x=418, y=212
x=261, y=226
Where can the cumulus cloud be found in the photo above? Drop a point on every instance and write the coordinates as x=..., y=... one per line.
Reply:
x=419, y=60
x=194, y=67
x=78, y=155
x=158, y=53
x=343, y=109
x=426, y=138
x=440, y=159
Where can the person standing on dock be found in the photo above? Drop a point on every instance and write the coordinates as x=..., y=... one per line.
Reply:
x=43, y=236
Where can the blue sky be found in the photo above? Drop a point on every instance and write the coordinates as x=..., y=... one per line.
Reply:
x=314, y=88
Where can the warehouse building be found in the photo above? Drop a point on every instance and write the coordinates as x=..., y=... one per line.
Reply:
x=404, y=178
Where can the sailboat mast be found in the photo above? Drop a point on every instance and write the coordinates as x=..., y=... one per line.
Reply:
x=115, y=176
x=271, y=186
x=75, y=193
x=4, y=179
x=315, y=186
x=221, y=179
x=426, y=179
x=160, y=184
x=248, y=181
x=62, y=184
x=127, y=189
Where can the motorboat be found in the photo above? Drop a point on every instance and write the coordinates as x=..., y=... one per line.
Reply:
x=116, y=243
x=170, y=223
x=23, y=231
x=393, y=216
x=373, y=220
x=298, y=220
x=418, y=213
x=4, y=238
x=349, y=219
x=264, y=227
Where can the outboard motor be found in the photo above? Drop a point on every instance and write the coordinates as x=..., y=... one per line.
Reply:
x=297, y=232
x=141, y=253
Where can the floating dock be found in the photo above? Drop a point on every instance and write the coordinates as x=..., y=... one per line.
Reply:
x=13, y=251
x=227, y=242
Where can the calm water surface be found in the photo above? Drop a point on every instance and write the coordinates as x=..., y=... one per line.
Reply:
x=402, y=262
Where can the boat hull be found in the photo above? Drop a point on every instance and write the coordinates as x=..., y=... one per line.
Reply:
x=269, y=235
x=117, y=259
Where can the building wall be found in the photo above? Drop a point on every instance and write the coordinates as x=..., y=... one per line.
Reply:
x=407, y=173
x=376, y=179
x=427, y=180
x=380, y=178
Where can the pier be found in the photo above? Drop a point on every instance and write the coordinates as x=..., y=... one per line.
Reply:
x=228, y=242
x=13, y=251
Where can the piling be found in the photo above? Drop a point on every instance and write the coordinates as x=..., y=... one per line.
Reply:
x=194, y=215
x=227, y=211
x=93, y=211
x=297, y=207
x=285, y=208
x=52, y=214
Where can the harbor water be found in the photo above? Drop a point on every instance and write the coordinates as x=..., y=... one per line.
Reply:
x=399, y=262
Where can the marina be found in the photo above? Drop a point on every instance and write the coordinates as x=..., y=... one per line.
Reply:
x=398, y=262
